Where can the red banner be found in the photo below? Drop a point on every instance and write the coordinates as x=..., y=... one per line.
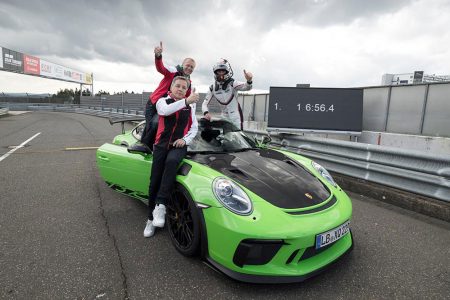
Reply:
x=31, y=65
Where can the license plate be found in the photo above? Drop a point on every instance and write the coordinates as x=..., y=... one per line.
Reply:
x=332, y=236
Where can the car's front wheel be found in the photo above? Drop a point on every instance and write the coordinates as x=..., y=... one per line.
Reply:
x=183, y=222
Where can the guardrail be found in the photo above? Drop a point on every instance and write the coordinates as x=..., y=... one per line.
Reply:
x=412, y=171
x=105, y=113
x=4, y=111
x=89, y=110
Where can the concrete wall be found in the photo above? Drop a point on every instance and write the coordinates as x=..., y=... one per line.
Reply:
x=422, y=109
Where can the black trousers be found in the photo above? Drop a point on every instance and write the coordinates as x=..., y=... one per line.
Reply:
x=151, y=125
x=164, y=170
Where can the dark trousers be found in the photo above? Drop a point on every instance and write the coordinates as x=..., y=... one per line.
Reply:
x=164, y=170
x=151, y=125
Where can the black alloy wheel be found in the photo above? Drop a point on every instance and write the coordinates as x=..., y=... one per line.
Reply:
x=183, y=222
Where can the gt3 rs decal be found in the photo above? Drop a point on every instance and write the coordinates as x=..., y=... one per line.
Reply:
x=128, y=192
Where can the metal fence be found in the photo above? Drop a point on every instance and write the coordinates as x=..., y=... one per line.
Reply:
x=422, y=109
x=412, y=171
x=130, y=102
x=33, y=99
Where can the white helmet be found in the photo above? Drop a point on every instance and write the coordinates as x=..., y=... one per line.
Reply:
x=223, y=64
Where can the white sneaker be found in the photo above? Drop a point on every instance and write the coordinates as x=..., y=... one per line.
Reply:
x=149, y=229
x=159, y=215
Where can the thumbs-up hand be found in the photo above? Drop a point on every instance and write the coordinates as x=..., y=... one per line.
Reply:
x=248, y=75
x=159, y=49
x=193, y=97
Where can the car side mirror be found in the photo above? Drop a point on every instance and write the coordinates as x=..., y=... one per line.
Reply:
x=263, y=141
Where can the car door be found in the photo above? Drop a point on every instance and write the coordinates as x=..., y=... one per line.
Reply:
x=129, y=173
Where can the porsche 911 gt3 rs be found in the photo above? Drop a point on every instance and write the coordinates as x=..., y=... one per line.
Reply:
x=254, y=212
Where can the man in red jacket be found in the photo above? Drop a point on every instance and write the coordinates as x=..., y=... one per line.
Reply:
x=186, y=69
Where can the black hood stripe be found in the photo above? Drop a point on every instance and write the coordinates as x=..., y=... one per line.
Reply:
x=270, y=174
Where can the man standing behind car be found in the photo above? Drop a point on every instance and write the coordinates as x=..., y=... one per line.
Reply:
x=177, y=126
x=169, y=73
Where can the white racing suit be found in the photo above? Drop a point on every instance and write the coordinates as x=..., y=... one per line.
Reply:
x=226, y=94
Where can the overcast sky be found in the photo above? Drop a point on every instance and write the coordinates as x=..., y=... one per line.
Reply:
x=327, y=43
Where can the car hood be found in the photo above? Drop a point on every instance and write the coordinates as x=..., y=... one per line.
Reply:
x=271, y=175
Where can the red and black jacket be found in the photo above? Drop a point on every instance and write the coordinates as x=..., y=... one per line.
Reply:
x=176, y=125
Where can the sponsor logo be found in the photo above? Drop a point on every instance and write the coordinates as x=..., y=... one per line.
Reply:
x=46, y=68
x=308, y=195
x=76, y=75
x=88, y=78
x=9, y=59
x=31, y=64
x=58, y=71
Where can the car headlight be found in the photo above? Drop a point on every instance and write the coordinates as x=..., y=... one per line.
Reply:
x=232, y=196
x=324, y=173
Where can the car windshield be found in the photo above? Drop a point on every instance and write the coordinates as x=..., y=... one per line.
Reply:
x=217, y=136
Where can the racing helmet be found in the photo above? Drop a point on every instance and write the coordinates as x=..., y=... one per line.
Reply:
x=223, y=64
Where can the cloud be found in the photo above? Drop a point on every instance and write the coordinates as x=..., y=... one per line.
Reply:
x=322, y=42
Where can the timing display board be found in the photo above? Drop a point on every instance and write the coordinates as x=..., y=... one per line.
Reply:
x=316, y=109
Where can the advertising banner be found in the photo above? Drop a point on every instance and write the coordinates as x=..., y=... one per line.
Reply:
x=51, y=70
x=88, y=78
x=12, y=60
x=72, y=75
x=31, y=64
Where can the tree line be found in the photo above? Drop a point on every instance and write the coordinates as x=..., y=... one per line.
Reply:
x=66, y=93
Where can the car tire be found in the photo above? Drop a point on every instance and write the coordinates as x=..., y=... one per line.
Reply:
x=183, y=222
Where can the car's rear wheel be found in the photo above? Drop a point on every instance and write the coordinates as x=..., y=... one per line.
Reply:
x=183, y=222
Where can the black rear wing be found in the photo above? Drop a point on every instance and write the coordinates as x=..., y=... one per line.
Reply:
x=122, y=120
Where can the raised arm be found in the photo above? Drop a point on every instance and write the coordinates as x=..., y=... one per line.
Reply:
x=165, y=109
x=244, y=86
x=166, y=71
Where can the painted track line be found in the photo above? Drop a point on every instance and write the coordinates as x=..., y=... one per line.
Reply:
x=81, y=148
x=18, y=147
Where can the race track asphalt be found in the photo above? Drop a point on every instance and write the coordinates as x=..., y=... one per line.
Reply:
x=65, y=235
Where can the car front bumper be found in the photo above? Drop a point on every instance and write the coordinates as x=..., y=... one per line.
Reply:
x=279, y=248
x=268, y=279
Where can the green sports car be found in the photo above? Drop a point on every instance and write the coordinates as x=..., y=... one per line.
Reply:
x=252, y=211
